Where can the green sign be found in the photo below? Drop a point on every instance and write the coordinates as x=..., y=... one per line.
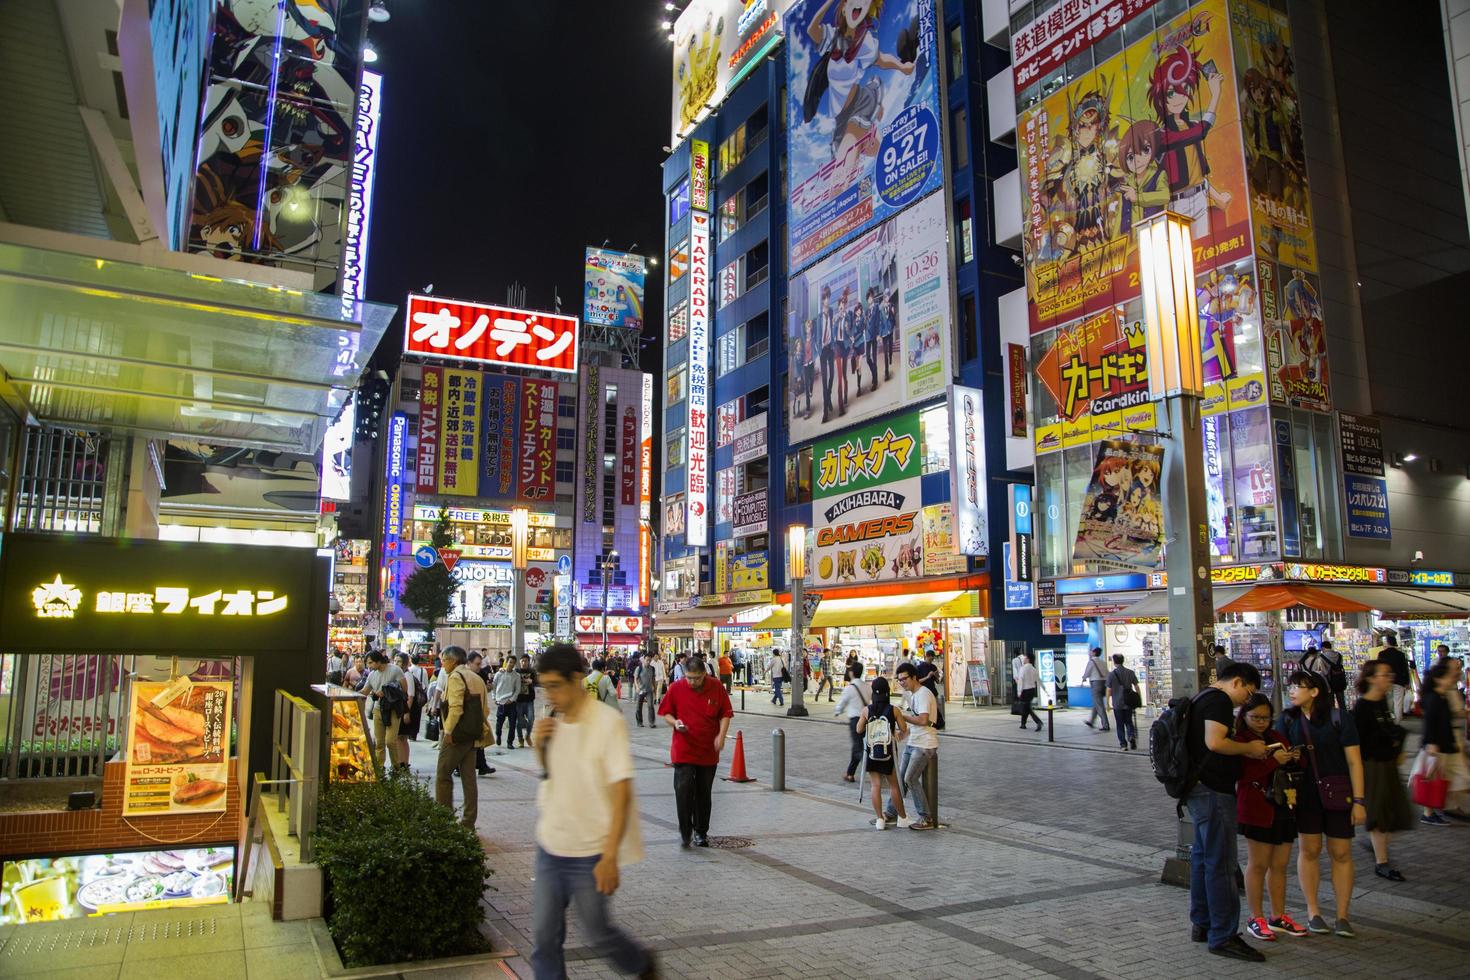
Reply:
x=120, y=595
x=874, y=454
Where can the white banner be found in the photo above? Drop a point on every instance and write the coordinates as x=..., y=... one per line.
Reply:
x=696, y=526
x=967, y=486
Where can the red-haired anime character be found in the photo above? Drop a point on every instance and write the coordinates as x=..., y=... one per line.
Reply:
x=1171, y=88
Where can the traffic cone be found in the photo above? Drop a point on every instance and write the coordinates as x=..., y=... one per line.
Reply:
x=737, y=764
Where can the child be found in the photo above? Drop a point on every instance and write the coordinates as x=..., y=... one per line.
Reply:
x=1268, y=828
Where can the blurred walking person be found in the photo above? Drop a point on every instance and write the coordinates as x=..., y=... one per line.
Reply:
x=1382, y=744
x=1443, y=753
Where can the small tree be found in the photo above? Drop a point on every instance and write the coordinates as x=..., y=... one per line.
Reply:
x=429, y=591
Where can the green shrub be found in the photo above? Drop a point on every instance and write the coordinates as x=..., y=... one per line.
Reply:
x=404, y=879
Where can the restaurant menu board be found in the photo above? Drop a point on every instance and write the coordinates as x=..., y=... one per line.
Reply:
x=46, y=889
x=178, y=746
x=351, y=754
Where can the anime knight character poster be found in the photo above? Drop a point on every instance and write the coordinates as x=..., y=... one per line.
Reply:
x=1155, y=127
x=863, y=126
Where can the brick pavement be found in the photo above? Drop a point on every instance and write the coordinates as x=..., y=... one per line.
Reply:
x=1049, y=868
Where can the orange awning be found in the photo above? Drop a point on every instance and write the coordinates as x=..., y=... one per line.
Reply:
x=1265, y=598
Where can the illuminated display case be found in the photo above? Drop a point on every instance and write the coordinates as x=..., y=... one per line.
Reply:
x=349, y=739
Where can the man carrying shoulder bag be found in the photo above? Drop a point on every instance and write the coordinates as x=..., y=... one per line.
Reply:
x=464, y=726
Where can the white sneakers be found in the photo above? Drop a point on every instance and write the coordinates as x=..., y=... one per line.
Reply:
x=904, y=823
x=879, y=824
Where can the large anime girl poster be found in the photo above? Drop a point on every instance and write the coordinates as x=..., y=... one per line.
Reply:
x=863, y=131
x=1153, y=128
x=1122, y=524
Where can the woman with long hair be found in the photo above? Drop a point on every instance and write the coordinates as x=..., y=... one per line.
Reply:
x=1443, y=754
x=882, y=729
x=1267, y=826
x=1382, y=738
x=1330, y=802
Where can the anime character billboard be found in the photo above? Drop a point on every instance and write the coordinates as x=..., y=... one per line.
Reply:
x=869, y=325
x=1122, y=525
x=1296, y=340
x=1154, y=128
x=275, y=146
x=863, y=125
x=1275, y=154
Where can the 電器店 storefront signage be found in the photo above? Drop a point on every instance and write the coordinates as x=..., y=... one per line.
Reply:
x=120, y=595
x=1422, y=578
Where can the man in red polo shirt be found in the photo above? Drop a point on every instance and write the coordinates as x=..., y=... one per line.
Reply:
x=699, y=713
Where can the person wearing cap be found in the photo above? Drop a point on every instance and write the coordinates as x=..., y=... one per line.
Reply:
x=699, y=713
x=464, y=699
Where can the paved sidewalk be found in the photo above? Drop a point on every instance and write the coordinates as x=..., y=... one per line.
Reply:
x=1050, y=868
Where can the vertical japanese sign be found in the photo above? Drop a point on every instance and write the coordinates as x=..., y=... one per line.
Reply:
x=591, y=446
x=645, y=562
x=500, y=414
x=862, y=109
x=537, y=450
x=360, y=203
x=645, y=452
x=697, y=525
x=628, y=477
x=1361, y=438
x=393, y=507
x=699, y=175
x=967, y=481
x=178, y=748
x=1018, y=373
x=459, y=466
x=430, y=395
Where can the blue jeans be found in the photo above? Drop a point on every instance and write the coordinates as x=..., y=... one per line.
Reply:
x=911, y=768
x=561, y=881
x=776, y=698
x=1213, y=900
x=525, y=715
x=1127, y=725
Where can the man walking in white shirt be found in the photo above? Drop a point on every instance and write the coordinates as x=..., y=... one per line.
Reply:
x=923, y=745
x=587, y=820
x=1096, y=675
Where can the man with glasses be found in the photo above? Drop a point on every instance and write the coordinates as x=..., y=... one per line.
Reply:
x=920, y=709
x=699, y=713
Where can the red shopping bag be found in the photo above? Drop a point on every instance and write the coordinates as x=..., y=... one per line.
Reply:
x=1428, y=792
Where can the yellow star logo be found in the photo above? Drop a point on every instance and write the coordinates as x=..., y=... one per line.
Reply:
x=56, y=600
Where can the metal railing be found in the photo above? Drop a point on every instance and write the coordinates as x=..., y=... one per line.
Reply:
x=63, y=714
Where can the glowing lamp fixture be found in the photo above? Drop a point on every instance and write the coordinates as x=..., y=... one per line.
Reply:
x=520, y=519
x=796, y=552
x=1170, y=311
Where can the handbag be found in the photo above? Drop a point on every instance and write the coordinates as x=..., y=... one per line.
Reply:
x=431, y=732
x=1335, y=790
x=471, y=723
x=1285, y=784
x=1017, y=708
x=1429, y=792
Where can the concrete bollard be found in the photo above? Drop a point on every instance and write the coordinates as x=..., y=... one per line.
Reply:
x=778, y=761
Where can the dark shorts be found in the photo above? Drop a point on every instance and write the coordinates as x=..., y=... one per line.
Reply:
x=883, y=767
x=1283, y=831
x=1311, y=818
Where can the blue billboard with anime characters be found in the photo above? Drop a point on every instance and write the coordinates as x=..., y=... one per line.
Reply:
x=863, y=132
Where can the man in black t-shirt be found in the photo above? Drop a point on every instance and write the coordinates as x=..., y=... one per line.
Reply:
x=1214, y=903
x=1404, y=675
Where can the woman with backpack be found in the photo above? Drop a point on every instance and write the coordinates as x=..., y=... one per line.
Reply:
x=779, y=675
x=1388, y=806
x=855, y=697
x=882, y=728
x=1327, y=664
x=1330, y=802
x=1263, y=799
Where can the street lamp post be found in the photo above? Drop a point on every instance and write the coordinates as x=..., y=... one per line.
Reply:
x=608, y=564
x=796, y=574
x=1176, y=377
x=520, y=519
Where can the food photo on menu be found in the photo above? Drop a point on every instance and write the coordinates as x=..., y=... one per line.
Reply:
x=45, y=889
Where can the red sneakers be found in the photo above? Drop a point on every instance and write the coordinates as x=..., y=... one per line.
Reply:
x=1285, y=923
x=1262, y=931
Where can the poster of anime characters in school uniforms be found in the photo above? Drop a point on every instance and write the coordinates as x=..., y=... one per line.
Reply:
x=275, y=144
x=1155, y=127
x=1122, y=525
x=863, y=124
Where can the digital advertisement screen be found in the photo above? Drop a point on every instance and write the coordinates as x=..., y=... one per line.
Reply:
x=74, y=887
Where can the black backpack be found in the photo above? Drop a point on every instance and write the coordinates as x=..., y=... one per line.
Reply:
x=1168, y=749
x=1330, y=671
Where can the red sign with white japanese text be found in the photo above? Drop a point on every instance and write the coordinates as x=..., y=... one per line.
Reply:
x=629, y=477
x=1065, y=31
x=430, y=393
x=486, y=334
x=537, y=450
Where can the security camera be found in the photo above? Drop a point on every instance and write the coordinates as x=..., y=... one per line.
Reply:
x=1017, y=259
x=1418, y=557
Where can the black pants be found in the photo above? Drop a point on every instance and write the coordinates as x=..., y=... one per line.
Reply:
x=828, y=369
x=857, y=747
x=506, y=714
x=1027, y=696
x=827, y=683
x=646, y=697
x=480, y=762
x=1127, y=727
x=692, y=786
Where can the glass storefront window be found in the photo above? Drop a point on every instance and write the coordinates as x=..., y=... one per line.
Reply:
x=1049, y=506
x=1077, y=473
x=1315, y=461
x=1254, y=484
x=934, y=433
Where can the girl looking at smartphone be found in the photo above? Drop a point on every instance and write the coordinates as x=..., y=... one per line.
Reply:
x=1268, y=827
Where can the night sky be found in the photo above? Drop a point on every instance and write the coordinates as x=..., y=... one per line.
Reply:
x=514, y=134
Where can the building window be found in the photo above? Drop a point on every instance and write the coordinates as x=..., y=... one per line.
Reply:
x=730, y=350
x=757, y=335
x=678, y=261
x=566, y=438
x=743, y=205
x=799, y=477
x=675, y=386
x=757, y=264
x=566, y=471
x=679, y=321
x=674, y=448
x=934, y=439
x=758, y=401
x=679, y=202
x=730, y=284
x=969, y=329
x=566, y=406
x=960, y=133
x=746, y=137
x=957, y=52
x=967, y=231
